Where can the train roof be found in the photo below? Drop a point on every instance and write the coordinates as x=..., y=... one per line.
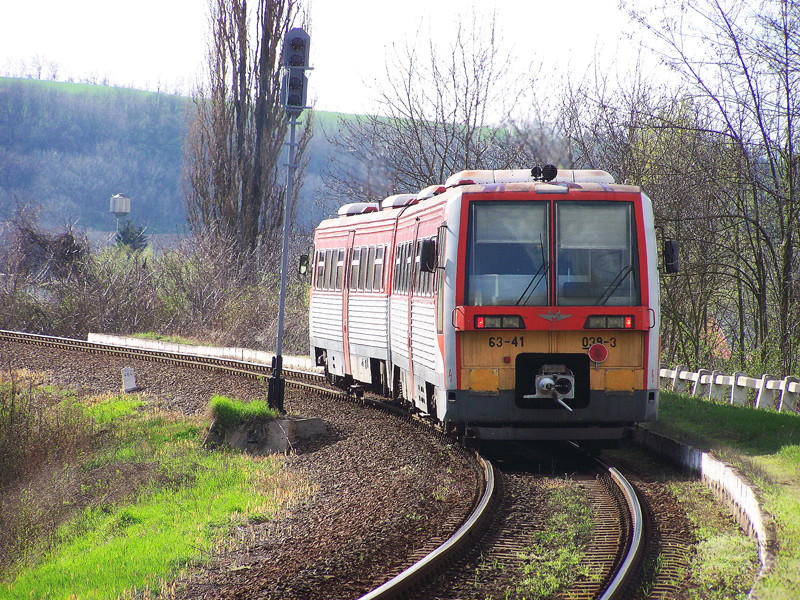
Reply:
x=477, y=181
x=527, y=175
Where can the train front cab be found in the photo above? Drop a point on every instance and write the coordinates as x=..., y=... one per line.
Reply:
x=555, y=312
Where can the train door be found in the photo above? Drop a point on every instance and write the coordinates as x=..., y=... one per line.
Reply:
x=412, y=279
x=347, y=266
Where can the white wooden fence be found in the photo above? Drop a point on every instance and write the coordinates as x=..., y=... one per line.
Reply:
x=779, y=394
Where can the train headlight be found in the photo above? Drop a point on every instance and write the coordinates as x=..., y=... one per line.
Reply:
x=609, y=322
x=499, y=322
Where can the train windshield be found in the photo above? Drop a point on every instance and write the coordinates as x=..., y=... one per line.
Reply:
x=508, y=254
x=596, y=258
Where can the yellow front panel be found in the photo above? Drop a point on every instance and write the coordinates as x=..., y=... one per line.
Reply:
x=496, y=351
x=483, y=380
x=621, y=380
x=490, y=348
x=625, y=348
x=488, y=357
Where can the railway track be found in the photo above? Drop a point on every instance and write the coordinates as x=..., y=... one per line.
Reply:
x=614, y=552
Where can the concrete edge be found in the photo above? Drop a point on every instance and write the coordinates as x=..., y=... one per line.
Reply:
x=727, y=483
x=300, y=363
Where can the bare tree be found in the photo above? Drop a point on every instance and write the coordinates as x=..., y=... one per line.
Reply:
x=234, y=186
x=441, y=112
x=741, y=64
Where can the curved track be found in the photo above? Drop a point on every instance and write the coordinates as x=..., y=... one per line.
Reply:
x=621, y=555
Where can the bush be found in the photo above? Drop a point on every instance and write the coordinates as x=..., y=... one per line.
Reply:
x=202, y=288
x=40, y=431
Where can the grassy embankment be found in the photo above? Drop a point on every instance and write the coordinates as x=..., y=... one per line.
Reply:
x=124, y=499
x=765, y=446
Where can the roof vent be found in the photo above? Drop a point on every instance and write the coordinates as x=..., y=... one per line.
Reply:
x=584, y=176
x=399, y=201
x=358, y=208
x=431, y=191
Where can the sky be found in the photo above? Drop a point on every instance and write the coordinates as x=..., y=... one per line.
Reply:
x=160, y=45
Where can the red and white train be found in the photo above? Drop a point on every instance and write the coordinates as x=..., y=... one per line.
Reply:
x=508, y=305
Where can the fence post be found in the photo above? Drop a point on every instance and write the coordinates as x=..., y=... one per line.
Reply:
x=788, y=400
x=738, y=393
x=715, y=390
x=676, y=377
x=698, y=386
x=765, y=398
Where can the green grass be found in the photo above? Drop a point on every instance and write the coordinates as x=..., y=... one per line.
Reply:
x=230, y=411
x=725, y=561
x=765, y=446
x=172, y=506
x=553, y=562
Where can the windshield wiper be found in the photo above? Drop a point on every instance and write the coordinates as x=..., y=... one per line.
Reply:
x=537, y=277
x=615, y=283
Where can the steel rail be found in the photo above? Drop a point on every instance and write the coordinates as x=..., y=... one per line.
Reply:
x=419, y=571
x=636, y=547
x=193, y=360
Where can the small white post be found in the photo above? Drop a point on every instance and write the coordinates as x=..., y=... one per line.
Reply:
x=128, y=380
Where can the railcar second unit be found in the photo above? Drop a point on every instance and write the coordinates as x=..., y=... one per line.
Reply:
x=502, y=305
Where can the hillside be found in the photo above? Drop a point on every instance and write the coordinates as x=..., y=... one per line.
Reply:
x=70, y=147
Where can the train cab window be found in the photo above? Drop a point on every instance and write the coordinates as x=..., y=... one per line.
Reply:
x=354, y=268
x=507, y=254
x=596, y=258
x=377, y=274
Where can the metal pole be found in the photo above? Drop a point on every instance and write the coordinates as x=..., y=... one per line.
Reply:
x=276, y=384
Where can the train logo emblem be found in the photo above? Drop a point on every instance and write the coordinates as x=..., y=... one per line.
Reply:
x=554, y=317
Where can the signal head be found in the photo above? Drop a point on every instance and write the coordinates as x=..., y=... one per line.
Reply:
x=295, y=48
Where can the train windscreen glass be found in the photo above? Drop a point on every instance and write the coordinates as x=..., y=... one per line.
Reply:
x=596, y=258
x=507, y=260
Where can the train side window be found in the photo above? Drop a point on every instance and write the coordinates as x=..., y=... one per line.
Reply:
x=320, y=269
x=363, y=269
x=399, y=264
x=429, y=277
x=339, y=268
x=419, y=276
x=377, y=276
x=408, y=268
x=354, y=267
x=369, y=269
x=326, y=282
x=401, y=281
x=396, y=272
x=417, y=272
